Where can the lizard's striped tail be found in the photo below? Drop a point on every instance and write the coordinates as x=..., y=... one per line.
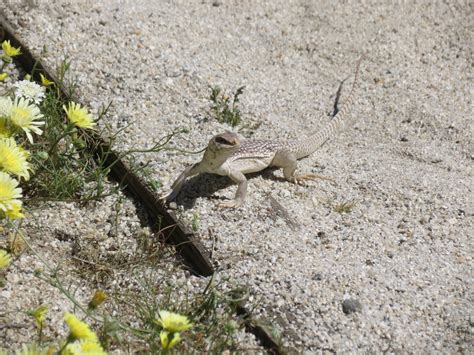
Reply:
x=308, y=145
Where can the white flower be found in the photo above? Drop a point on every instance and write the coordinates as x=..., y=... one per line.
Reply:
x=29, y=90
x=25, y=116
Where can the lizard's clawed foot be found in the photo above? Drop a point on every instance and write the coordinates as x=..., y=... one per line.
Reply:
x=300, y=178
x=230, y=204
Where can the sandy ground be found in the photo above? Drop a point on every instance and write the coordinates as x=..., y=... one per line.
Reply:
x=403, y=252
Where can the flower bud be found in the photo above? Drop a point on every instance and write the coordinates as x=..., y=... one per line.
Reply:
x=98, y=298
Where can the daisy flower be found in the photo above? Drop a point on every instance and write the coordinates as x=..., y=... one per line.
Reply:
x=24, y=115
x=9, y=50
x=79, y=116
x=173, y=322
x=78, y=329
x=9, y=194
x=33, y=349
x=15, y=211
x=13, y=158
x=84, y=347
x=29, y=90
x=5, y=259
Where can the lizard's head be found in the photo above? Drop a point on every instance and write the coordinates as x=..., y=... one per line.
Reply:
x=221, y=147
x=225, y=141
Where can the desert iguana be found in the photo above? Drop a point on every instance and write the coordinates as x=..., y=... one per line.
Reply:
x=230, y=155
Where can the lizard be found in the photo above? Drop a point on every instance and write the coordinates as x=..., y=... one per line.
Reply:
x=228, y=154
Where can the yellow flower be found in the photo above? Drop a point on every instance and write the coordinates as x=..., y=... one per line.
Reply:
x=39, y=314
x=3, y=76
x=173, y=322
x=169, y=340
x=9, y=193
x=84, y=347
x=31, y=349
x=98, y=298
x=45, y=81
x=9, y=50
x=5, y=259
x=15, y=211
x=79, y=329
x=13, y=158
x=24, y=115
x=79, y=116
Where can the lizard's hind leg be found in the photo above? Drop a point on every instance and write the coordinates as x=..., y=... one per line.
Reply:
x=287, y=160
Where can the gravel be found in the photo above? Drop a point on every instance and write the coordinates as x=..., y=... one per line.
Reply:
x=405, y=161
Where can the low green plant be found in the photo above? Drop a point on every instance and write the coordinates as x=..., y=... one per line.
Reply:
x=81, y=339
x=164, y=317
x=195, y=222
x=225, y=109
x=345, y=207
x=211, y=313
x=64, y=167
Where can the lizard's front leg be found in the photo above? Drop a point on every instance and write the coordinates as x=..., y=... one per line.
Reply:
x=241, y=180
x=178, y=184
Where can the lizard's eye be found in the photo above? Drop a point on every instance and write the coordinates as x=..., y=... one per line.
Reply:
x=224, y=141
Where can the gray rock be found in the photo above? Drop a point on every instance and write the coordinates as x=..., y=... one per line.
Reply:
x=351, y=305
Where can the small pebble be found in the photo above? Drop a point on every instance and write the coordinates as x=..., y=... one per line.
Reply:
x=351, y=305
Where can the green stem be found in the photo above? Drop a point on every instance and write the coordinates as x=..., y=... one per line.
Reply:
x=40, y=334
x=6, y=60
x=69, y=129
